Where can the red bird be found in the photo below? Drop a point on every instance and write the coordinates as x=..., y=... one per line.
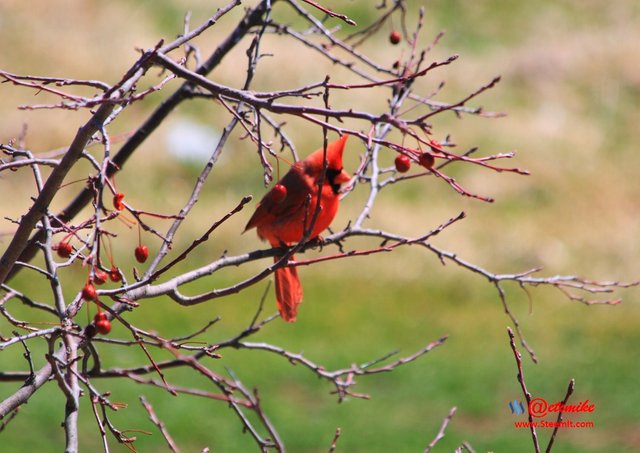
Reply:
x=281, y=214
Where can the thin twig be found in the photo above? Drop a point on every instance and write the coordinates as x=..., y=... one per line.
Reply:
x=443, y=427
x=526, y=393
x=552, y=439
x=156, y=421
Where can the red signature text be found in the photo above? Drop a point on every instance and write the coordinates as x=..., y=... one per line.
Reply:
x=538, y=407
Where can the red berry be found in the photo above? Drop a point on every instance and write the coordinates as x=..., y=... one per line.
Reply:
x=64, y=249
x=100, y=316
x=278, y=193
x=142, y=253
x=426, y=160
x=403, y=163
x=395, y=37
x=89, y=292
x=435, y=145
x=114, y=274
x=99, y=276
x=103, y=325
x=117, y=201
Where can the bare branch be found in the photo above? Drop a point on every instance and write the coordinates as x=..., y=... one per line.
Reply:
x=330, y=13
x=526, y=393
x=156, y=421
x=440, y=434
x=552, y=439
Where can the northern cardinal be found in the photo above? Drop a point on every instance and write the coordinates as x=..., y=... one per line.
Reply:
x=281, y=215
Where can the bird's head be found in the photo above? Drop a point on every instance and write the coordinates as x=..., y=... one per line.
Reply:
x=335, y=175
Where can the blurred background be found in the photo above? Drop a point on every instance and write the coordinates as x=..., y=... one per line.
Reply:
x=571, y=89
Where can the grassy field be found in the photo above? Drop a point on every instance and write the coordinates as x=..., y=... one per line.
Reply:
x=571, y=88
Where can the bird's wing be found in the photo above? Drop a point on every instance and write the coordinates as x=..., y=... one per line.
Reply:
x=271, y=212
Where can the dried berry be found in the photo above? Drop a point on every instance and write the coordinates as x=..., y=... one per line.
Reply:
x=395, y=37
x=117, y=201
x=114, y=274
x=99, y=276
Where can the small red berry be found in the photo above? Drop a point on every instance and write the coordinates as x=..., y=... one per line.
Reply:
x=117, y=201
x=99, y=276
x=89, y=292
x=403, y=163
x=435, y=145
x=103, y=325
x=142, y=253
x=114, y=274
x=100, y=316
x=278, y=193
x=64, y=249
x=395, y=37
x=426, y=160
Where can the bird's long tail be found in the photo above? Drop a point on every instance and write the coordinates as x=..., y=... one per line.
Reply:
x=288, y=291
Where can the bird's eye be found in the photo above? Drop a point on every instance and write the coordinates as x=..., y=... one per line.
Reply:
x=332, y=173
x=331, y=177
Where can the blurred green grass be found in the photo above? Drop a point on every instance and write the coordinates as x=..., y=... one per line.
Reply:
x=572, y=97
